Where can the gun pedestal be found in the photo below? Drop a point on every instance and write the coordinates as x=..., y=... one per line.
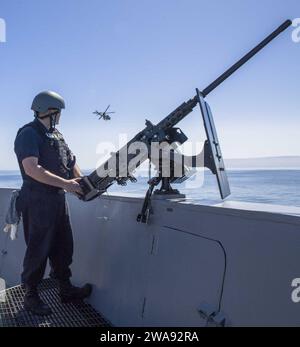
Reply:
x=166, y=191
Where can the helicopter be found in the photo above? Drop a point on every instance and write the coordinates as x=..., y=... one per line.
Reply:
x=104, y=115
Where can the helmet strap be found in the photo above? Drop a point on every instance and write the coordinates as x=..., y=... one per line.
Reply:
x=52, y=122
x=52, y=116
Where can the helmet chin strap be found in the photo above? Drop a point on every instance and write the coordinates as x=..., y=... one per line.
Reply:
x=52, y=122
x=52, y=116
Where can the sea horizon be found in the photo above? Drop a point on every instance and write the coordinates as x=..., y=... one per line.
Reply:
x=268, y=186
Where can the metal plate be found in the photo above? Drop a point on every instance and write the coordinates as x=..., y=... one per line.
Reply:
x=77, y=314
x=215, y=146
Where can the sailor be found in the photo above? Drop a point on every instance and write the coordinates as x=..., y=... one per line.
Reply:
x=48, y=169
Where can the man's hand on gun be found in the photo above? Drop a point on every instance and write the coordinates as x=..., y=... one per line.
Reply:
x=73, y=186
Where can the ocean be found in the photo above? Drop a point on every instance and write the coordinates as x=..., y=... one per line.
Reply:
x=280, y=187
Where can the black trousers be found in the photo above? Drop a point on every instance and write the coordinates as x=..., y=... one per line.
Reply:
x=48, y=235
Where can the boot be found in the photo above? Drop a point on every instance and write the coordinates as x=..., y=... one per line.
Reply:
x=70, y=293
x=34, y=304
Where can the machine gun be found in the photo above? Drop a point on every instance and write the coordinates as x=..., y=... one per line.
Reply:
x=115, y=170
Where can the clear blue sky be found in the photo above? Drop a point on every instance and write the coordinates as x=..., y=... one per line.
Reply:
x=145, y=58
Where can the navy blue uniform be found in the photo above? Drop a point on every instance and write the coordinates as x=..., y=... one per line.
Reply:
x=47, y=228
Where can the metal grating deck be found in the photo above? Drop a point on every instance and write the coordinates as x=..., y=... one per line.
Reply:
x=78, y=314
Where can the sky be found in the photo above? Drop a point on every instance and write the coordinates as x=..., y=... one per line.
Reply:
x=145, y=58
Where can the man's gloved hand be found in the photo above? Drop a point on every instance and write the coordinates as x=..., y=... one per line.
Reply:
x=73, y=186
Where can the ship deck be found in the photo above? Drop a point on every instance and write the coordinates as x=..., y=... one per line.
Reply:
x=188, y=257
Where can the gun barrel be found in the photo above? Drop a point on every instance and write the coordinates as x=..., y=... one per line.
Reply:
x=245, y=58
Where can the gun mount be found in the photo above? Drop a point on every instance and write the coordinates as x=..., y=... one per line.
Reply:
x=115, y=170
